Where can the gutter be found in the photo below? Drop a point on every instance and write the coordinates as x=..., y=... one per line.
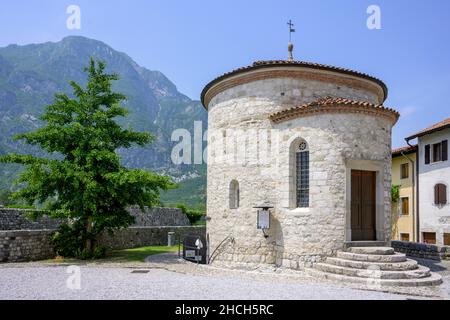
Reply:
x=416, y=219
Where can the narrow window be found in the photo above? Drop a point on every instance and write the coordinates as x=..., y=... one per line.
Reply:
x=440, y=194
x=429, y=237
x=440, y=152
x=234, y=194
x=405, y=206
x=446, y=239
x=404, y=236
x=405, y=170
x=437, y=152
x=302, y=175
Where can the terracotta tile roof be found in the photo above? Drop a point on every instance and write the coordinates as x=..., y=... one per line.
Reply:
x=435, y=127
x=405, y=150
x=273, y=63
x=334, y=104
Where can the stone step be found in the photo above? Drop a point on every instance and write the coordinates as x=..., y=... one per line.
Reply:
x=350, y=244
x=420, y=272
x=391, y=266
x=372, y=250
x=396, y=257
x=433, y=280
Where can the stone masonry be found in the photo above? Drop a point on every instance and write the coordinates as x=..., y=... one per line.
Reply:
x=24, y=239
x=422, y=250
x=134, y=237
x=239, y=115
x=18, y=219
x=25, y=245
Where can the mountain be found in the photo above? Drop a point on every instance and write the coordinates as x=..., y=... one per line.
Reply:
x=30, y=75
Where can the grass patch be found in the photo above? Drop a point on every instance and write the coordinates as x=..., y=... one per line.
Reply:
x=138, y=254
x=123, y=255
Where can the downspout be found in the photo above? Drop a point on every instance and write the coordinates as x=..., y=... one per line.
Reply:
x=413, y=194
x=417, y=222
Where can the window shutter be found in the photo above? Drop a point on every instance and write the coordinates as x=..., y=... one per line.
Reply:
x=444, y=150
x=436, y=194
x=427, y=154
x=442, y=194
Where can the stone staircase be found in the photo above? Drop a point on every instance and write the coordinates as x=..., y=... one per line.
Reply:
x=375, y=266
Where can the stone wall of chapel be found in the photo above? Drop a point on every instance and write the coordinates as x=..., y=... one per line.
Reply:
x=297, y=237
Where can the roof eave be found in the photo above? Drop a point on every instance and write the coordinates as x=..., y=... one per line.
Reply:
x=305, y=65
x=421, y=134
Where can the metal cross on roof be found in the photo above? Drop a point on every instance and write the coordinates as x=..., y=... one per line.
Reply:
x=291, y=29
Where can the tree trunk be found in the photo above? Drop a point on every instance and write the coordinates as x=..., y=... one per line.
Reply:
x=88, y=244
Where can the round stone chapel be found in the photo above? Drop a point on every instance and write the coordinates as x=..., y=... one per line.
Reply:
x=308, y=143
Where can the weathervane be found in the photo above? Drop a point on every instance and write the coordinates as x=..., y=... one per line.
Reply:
x=290, y=44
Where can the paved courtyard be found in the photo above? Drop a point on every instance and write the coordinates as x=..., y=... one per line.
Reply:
x=120, y=283
x=163, y=277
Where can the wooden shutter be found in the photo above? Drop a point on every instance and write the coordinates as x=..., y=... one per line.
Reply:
x=442, y=194
x=404, y=171
x=427, y=154
x=429, y=237
x=405, y=206
x=436, y=194
x=446, y=239
x=444, y=150
x=404, y=236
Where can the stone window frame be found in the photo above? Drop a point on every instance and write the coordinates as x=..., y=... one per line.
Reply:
x=293, y=148
x=234, y=194
x=302, y=150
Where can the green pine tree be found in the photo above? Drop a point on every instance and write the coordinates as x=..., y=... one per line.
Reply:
x=84, y=181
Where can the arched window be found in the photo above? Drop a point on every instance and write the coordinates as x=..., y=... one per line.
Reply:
x=234, y=194
x=302, y=175
x=440, y=194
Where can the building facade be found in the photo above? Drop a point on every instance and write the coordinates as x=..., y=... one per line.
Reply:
x=313, y=142
x=434, y=183
x=404, y=183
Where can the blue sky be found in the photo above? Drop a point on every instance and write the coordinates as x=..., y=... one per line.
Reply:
x=194, y=41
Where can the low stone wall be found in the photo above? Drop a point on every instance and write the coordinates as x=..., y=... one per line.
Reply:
x=25, y=245
x=17, y=219
x=422, y=250
x=23, y=239
x=159, y=217
x=147, y=236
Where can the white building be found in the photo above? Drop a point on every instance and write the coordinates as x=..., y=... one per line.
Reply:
x=433, y=183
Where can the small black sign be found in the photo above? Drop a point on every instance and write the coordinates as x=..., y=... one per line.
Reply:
x=194, y=249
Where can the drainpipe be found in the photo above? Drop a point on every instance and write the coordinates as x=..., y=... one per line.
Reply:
x=416, y=218
x=413, y=194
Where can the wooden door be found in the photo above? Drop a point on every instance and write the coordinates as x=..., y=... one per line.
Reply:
x=363, y=205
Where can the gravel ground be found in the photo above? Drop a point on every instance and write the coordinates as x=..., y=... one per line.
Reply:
x=167, y=277
x=119, y=283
